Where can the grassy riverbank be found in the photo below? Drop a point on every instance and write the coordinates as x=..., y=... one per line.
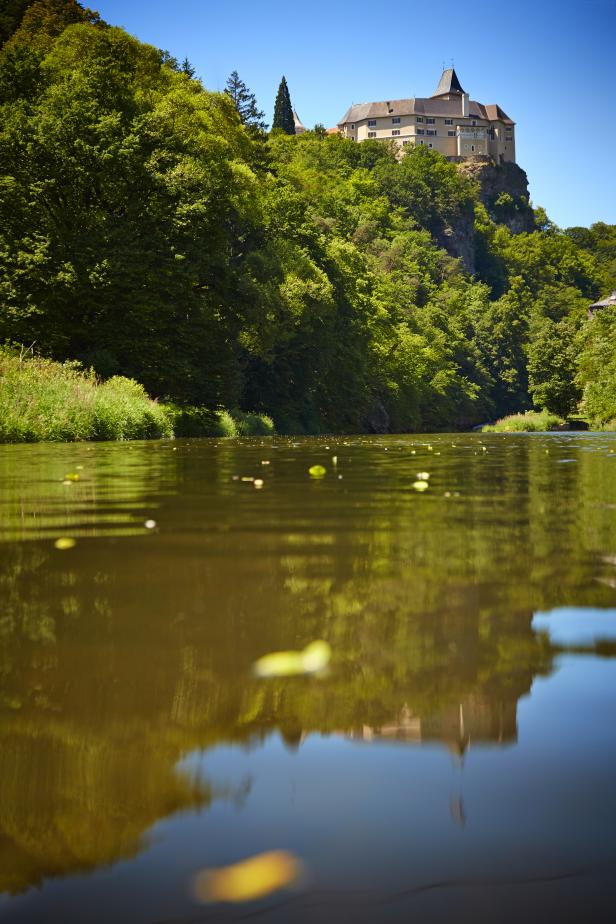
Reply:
x=42, y=400
x=530, y=422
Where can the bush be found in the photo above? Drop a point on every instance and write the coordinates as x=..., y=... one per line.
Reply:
x=42, y=400
x=250, y=424
x=530, y=422
x=200, y=421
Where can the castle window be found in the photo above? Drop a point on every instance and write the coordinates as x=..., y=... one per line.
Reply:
x=431, y=131
x=372, y=122
x=419, y=118
x=371, y=134
x=472, y=147
x=395, y=131
x=451, y=134
x=352, y=125
x=448, y=121
x=396, y=120
x=421, y=131
x=405, y=142
x=473, y=122
x=431, y=121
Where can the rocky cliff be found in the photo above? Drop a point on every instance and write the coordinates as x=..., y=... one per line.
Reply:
x=503, y=189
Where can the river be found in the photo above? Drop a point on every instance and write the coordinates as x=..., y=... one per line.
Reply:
x=454, y=760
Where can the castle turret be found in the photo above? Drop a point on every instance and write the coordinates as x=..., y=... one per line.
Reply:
x=299, y=127
x=449, y=87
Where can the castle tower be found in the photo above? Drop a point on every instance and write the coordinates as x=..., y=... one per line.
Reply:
x=299, y=127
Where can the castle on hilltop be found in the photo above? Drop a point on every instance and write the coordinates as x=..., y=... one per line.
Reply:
x=448, y=121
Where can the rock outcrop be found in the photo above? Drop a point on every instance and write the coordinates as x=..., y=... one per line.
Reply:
x=503, y=189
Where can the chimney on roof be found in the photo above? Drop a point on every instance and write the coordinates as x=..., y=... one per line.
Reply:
x=465, y=105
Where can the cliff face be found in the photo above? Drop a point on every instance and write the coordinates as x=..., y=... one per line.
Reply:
x=503, y=189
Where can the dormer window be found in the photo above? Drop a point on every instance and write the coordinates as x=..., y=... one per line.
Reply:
x=473, y=122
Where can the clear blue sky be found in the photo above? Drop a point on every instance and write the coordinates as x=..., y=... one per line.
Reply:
x=550, y=65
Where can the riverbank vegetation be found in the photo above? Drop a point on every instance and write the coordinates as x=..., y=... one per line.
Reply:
x=147, y=232
x=530, y=422
x=43, y=400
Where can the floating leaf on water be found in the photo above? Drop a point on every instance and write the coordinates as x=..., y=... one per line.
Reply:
x=313, y=659
x=150, y=524
x=423, y=476
x=317, y=471
x=72, y=476
x=265, y=461
x=65, y=542
x=247, y=478
x=334, y=460
x=258, y=482
x=316, y=656
x=420, y=485
x=280, y=664
x=249, y=879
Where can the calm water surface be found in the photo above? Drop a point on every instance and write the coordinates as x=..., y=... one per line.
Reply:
x=458, y=760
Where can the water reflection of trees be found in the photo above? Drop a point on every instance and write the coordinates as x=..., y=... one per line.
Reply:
x=120, y=658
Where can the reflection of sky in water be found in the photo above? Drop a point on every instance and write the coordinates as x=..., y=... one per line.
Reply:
x=576, y=625
x=369, y=820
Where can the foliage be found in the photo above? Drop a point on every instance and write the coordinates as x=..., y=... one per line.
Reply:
x=530, y=422
x=597, y=369
x=44, y=400
x=600, y=241
x=283, y=111
x=148, y=228
x=246, y=103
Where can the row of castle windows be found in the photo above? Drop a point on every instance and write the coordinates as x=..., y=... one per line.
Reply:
x=429, y=121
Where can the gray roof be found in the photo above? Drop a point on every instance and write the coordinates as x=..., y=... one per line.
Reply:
x=610, y=300
x=298, y=122
x=448, y=83
x=423, y=106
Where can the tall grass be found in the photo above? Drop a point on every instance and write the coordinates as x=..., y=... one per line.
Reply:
x=42, y=400
x=531, y=421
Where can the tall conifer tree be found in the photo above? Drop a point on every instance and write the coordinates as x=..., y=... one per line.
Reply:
x=283, y=111
x=245, y=103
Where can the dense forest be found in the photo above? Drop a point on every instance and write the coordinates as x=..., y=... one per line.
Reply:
x=152, y=229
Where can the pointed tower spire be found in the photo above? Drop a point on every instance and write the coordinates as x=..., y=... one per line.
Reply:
x=448, y=84
x=299, y=127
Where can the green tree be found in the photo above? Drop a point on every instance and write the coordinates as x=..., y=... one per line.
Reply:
x=187, y=68
x=246, y=103
x=283, y=111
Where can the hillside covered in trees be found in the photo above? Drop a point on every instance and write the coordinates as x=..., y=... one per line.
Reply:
x=147, y=231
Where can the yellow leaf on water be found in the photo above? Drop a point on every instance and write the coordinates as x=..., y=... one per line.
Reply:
x=249, y=879
x=314, y=658
x=65, y=543
x=317, y=471
x=420, y=485
x=423, y=476
x=72, y=476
